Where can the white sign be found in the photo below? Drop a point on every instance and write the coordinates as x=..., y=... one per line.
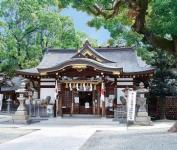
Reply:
x=87, y=105
x=131, y=102
x=76, y=100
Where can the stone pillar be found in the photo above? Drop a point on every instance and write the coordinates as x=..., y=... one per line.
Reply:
x=142, y=117
x=21, y=115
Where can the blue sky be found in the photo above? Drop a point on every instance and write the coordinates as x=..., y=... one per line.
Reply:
x=80, y=20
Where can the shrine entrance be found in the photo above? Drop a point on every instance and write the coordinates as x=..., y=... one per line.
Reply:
x=85, y=102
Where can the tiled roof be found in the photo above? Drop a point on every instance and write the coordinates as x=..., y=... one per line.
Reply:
x=125, y=58
x=11, y=85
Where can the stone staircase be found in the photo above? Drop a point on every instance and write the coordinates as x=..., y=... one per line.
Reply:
x=81, y=120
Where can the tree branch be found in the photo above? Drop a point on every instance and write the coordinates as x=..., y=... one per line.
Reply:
x=159, y=42
x=140, y=7
x=115, y=9
x=29, y=32
x=97, y=11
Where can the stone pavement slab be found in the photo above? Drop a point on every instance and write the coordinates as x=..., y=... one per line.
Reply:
x=113, y=140
x=50, y=139
x=72, y=133
x=7, y=134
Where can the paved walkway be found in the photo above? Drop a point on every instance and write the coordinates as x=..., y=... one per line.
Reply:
x=71, y=134
x=114, y=140
x=7, y=134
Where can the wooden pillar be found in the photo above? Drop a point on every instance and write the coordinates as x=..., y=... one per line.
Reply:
x=93, y=102
x=72, y=103
x=60, y=101
x=60, y=104
x=98, y=105
x=39, y=88
x=103, y=109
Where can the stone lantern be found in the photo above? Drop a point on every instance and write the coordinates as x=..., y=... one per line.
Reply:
x=9, y=105
x=21, y=115
x=142, y=117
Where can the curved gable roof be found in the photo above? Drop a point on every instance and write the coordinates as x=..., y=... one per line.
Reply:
x=112, y=57
x=87, y=49
x=81, y=61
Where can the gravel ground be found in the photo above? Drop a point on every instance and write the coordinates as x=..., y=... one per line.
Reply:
x=114, y=140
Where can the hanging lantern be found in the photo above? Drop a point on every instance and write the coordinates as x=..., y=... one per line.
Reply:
x=70, y=87
x=77, y=87
x=91, y=87
x=95, y=87
x=81, y=86
x=84, y=87
x=66, y=86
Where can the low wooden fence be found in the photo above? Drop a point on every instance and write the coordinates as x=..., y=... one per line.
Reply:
x=170, y=107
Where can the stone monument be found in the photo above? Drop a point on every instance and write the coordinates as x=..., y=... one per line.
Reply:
x=21, y=115
x=142, y=117
x=120, y=112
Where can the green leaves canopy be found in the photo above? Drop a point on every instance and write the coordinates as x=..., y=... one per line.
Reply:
x=164, y=80
x=163, y=18
x=29, y=26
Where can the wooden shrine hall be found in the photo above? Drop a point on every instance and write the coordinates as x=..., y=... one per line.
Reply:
x=82, y=75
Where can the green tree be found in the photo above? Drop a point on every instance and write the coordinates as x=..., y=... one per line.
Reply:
x=164, y=81
x=29, y=26
x=140, y=13
x=122, y=34
x=162, y=21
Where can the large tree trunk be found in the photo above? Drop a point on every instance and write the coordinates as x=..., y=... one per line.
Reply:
x=150, y=38
x=141, y=8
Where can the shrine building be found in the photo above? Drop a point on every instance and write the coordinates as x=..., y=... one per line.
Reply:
x=81, y=75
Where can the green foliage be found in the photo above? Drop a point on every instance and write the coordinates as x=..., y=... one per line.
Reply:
x=28, y=27
x=163, y=19
x=122, y=34
x=164, y=80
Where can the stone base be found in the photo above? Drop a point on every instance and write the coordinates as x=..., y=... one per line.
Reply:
x=21, y=117
x=142, y=118
x=173, y=128
x=120, y=120
x=22, y=121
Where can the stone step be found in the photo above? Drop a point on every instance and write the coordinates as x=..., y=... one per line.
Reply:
x=78, y=120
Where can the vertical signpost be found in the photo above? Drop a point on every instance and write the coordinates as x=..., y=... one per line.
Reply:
x=131, y=103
